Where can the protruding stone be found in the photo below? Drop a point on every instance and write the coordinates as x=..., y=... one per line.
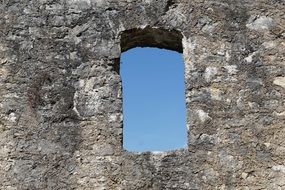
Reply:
x=279, y=168
x=249, y=58
x=232, y=69
x=280, y=81
x=216, y=93
x=244, y=175
x=203, y=116
x=261, y=23
x=210, y=72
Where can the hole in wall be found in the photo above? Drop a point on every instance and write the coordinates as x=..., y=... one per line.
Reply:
x=153, y=90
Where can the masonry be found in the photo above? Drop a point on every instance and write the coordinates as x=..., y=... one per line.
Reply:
x=61, y=99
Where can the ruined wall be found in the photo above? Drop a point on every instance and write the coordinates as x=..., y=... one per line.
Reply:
x=61, y=101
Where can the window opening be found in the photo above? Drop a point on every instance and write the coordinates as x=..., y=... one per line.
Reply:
x=153, y=99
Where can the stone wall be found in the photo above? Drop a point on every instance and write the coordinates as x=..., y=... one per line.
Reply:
x=61, y=98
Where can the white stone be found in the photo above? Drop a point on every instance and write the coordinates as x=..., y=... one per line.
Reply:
x=228, y=56
x=261, y=23
x=232, y=69
x=115, y=117
x=83, y=1
x=244, y=175
x=11, y=188
x=203, y=116
x=210, y=72
x=281, y=114
x=12, y=117
x=279, y=168
x=267, y=144
x=216, y=94
x=280, y=81
x=249, y=58
x=73, y=55
x=269, y=45
x=188, y=55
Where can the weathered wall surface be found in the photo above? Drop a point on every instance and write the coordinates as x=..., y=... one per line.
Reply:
x=61, y=102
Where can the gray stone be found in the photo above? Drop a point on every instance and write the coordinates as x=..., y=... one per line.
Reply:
x=61, y=97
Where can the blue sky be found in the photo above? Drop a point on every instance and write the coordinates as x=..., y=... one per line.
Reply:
x=153, y=100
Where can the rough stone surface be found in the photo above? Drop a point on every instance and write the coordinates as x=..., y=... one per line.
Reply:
x=61, y=98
